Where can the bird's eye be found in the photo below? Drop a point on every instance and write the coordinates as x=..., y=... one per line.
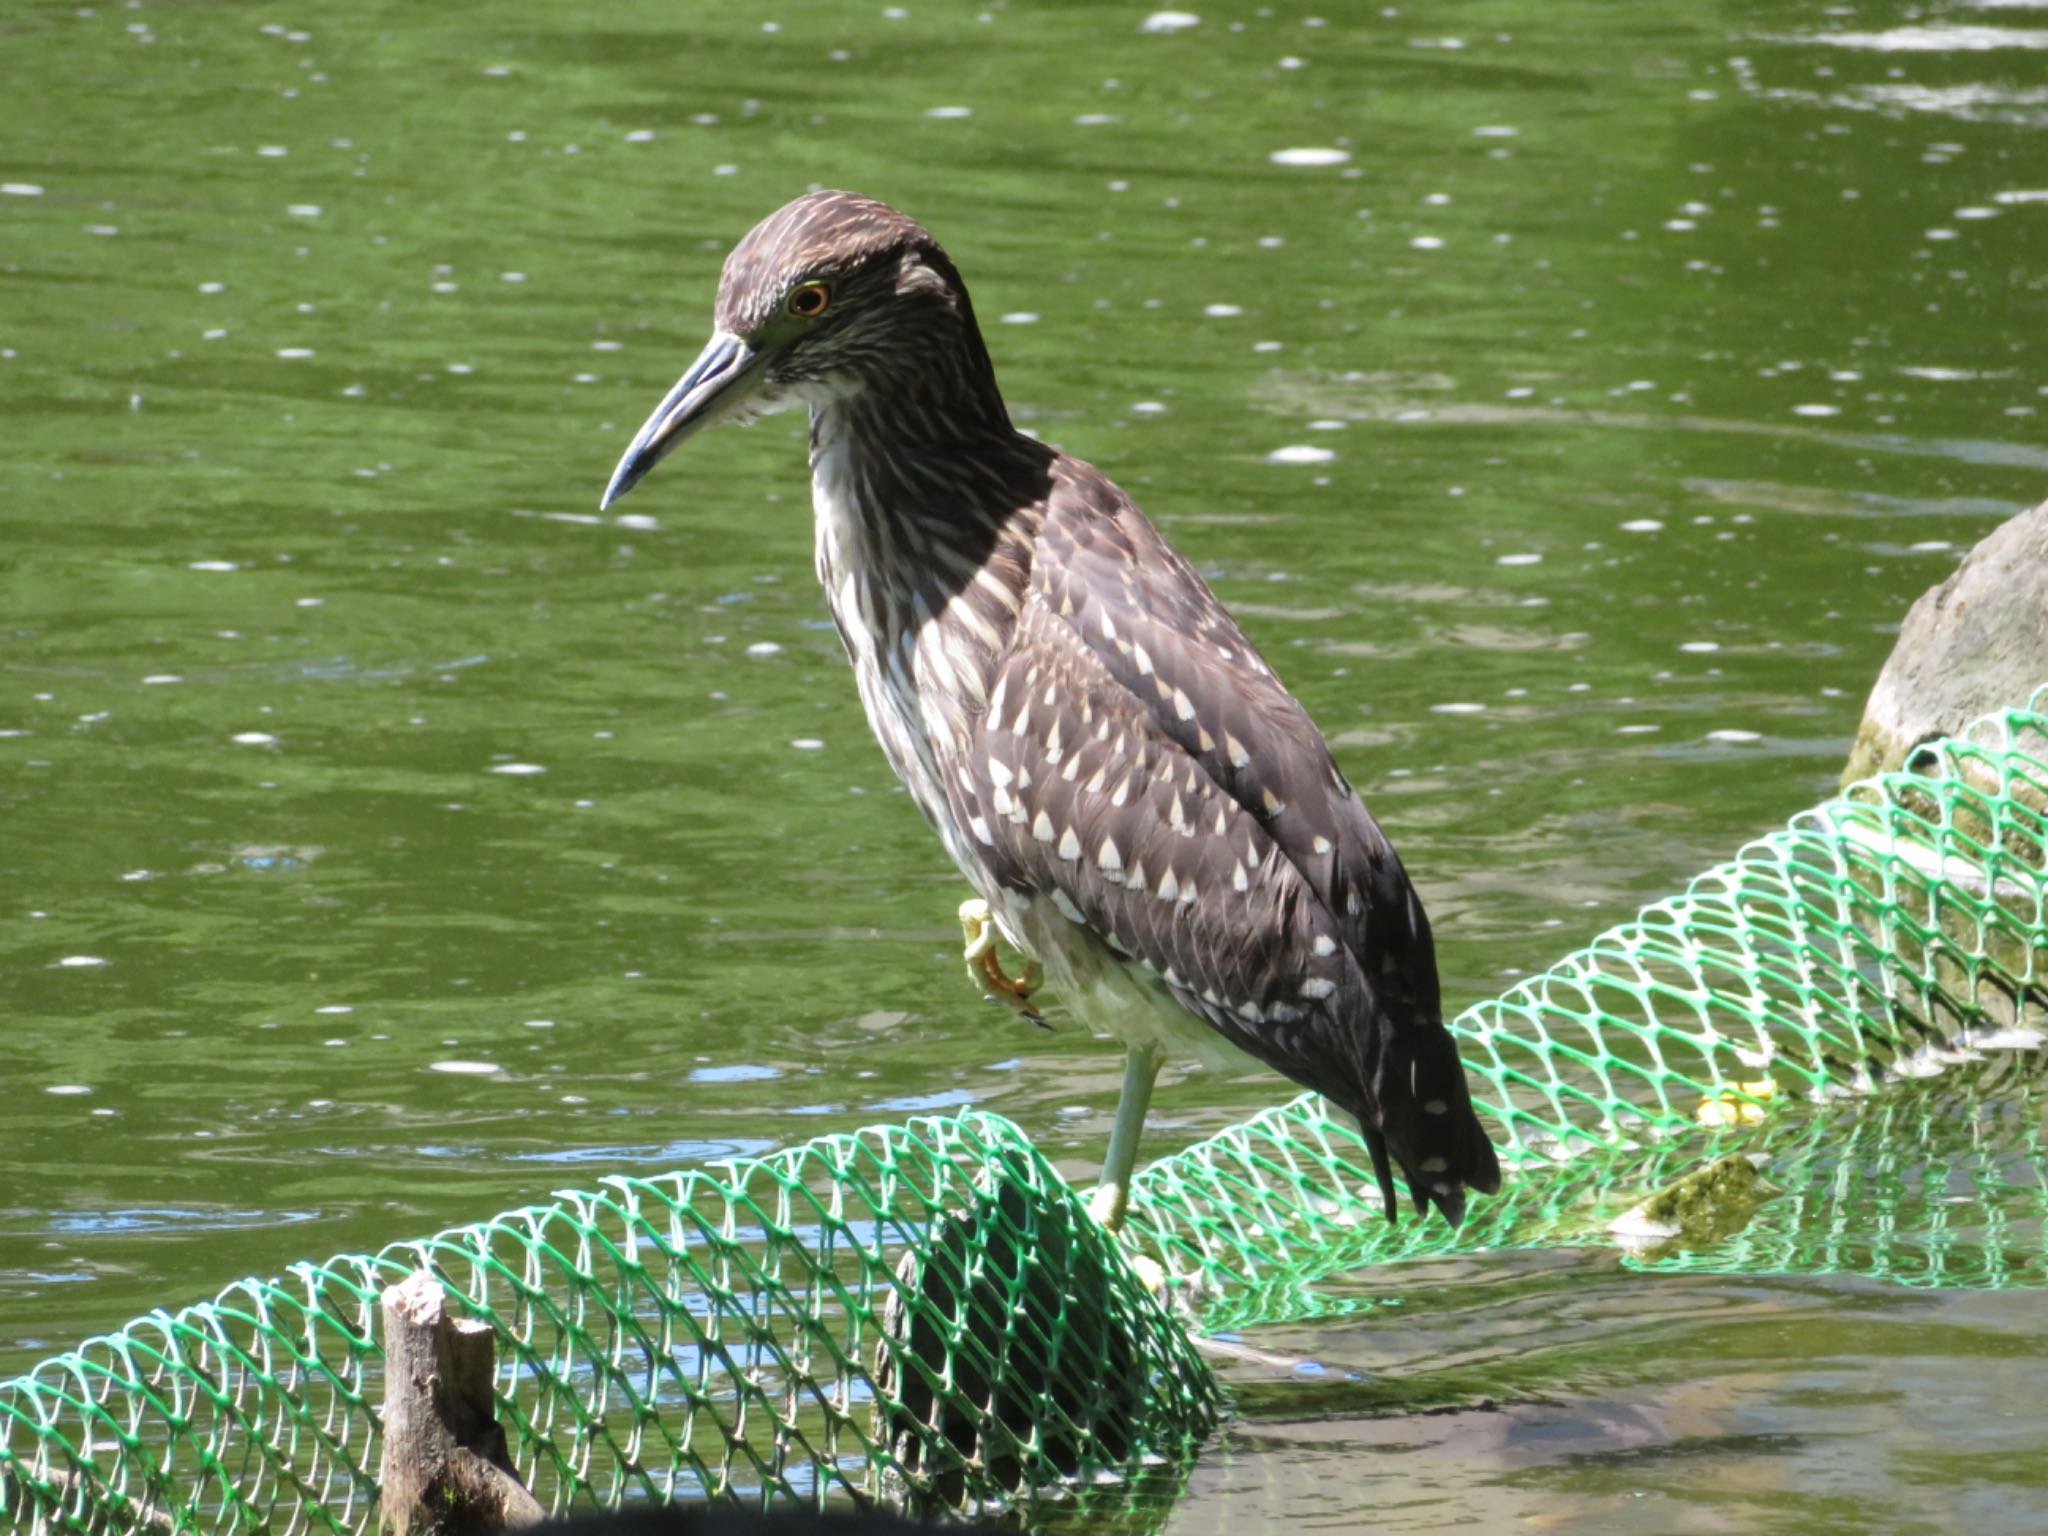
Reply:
x=810, y=301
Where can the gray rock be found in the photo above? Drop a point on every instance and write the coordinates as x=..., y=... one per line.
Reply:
x=1975, y=643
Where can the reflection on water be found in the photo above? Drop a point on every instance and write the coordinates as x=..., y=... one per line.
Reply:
x=1571, y=402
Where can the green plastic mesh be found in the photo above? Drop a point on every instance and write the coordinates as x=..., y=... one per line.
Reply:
x=925, y=1315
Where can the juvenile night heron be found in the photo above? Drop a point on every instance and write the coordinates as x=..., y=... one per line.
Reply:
x=1145, y=810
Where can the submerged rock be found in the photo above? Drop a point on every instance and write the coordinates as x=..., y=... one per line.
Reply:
x=1975, y=643
x=1710, y=1203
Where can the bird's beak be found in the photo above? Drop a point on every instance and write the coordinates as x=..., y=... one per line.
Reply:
x=726, y=372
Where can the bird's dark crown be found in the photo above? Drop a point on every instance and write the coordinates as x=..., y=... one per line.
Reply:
x=840, y=238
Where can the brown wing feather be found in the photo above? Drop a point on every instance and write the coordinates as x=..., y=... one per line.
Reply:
x=1178, y=750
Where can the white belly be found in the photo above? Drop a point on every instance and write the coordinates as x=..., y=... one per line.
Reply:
x=1108, y=993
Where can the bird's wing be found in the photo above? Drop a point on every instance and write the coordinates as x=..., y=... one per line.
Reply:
x=1141, y=767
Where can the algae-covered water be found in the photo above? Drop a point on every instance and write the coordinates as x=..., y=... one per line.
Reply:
x=1568, y=399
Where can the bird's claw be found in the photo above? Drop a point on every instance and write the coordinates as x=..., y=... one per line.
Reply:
x=985, y=968
x=1107, y=1205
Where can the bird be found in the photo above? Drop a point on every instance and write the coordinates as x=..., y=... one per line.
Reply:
x=1141, y=807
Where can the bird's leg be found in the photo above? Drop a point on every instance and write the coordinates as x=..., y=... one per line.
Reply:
x=985, y=970
x=1113, y=1194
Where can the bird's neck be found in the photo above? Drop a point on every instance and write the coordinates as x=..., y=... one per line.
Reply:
x=917, y=481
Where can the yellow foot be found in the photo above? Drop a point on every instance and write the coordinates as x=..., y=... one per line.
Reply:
x=985, y=970
x=1107, y=1205
x=1150, y=1272
x=1738, y=1108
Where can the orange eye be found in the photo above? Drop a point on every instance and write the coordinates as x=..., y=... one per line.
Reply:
x=810, y=301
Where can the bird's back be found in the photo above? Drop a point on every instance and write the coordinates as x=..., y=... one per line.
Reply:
x=1136, y=764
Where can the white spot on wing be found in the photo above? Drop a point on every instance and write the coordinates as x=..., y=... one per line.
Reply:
x=1169, y=888
x=1321, y=845
x=1108, y=859
x=979, y=828
x=1183, y=705
x=999, y=772
x=1324, y=944
x=1070, y=845
x=1318, y=987
x=1234, y=749
x=1042, y=828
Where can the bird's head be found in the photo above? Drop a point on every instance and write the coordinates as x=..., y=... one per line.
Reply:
x=831, y=296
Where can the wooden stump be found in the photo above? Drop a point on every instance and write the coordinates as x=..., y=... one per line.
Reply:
x=446, y=1471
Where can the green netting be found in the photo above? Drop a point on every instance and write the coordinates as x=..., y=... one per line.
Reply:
x=922, y=1313
x=925, y=1315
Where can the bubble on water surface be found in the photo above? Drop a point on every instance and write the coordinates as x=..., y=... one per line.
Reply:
x=1169, y=21
x=1301, y=453
x=254, y=739
x=1310, y=155
x=518, y=769
x=465, y=1068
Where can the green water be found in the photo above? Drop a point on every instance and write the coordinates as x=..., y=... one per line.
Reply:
x=1652, y=357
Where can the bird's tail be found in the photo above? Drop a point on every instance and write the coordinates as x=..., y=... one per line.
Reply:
x=1426, y=1124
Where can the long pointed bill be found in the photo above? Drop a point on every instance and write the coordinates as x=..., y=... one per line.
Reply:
x=724, y=374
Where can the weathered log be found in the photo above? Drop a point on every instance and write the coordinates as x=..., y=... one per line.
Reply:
x=446, y=1470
